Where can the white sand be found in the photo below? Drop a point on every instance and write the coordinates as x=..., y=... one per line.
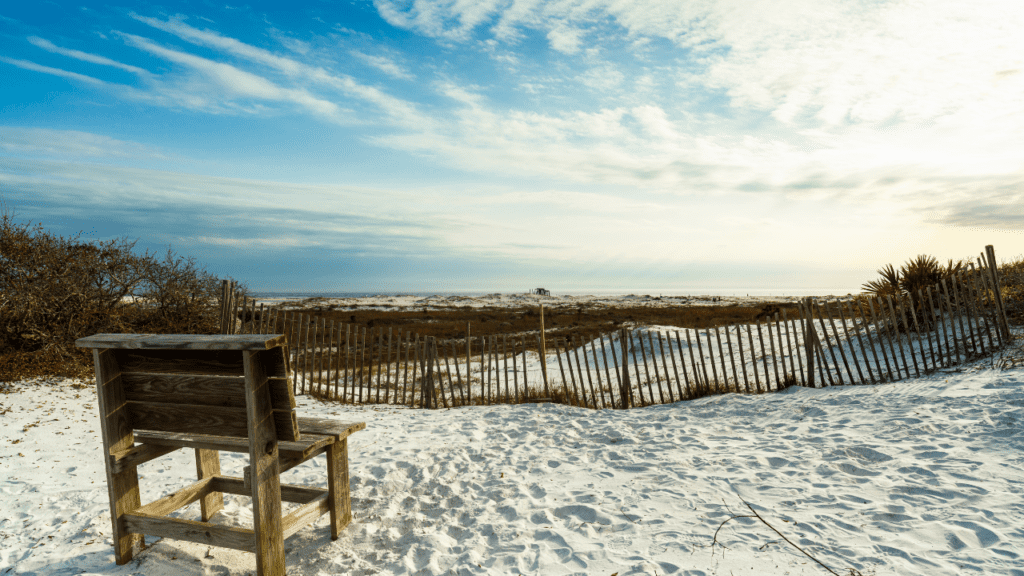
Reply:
x=385, y=302
x=924, y=476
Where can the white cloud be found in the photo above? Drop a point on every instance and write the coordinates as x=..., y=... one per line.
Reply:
x=603, y=79
x=564, y=39
x=398, y=111
x=27, y=65
x=384, y=64
x=84, y=56
x=233, y=81
x=70, y=144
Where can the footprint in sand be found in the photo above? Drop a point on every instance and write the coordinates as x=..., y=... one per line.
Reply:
x=869, y=454
x=983, y=536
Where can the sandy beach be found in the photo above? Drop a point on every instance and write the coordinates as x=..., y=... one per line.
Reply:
x=918, y=477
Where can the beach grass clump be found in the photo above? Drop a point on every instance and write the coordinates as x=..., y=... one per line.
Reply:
x=56, y=289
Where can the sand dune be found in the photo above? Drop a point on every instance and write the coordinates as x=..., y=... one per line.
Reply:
x=440, y=302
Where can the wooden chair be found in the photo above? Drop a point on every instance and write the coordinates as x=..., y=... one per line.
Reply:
x=159, y=393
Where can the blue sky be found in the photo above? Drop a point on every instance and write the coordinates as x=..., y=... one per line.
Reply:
x=499, y=145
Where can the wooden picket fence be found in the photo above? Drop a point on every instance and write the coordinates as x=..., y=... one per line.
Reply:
x=857, y=341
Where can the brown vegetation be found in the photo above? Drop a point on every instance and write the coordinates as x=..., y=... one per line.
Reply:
x=559, y=322
x=54, y=290
x=1013, y=289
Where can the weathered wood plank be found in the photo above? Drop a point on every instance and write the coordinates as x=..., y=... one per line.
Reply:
x=194, y=362
x=874, y=352
x=266, y=476
x=176, y=500
x=289, y=492
x=657, y=374
x=697, y=379
x=881, y=342
x=906, y=328
x=625, y=390
x=988, y=276
x=839, y=343
x=853, y=353
x=682, y=361
x=664, y=363
x=706, y=384
x=558, y=355
x=215, y=420
x=775, y=357
x=208, y=466
x=782, y=347
x=182, y=341
x=764, y=358
x=894, y=331
x=732, y=359
x=228, y=391
x=328, y=427
x=115, y=428
x=298, y=519
x=743, y=359
x=338, y=487
x=793, y=339
x=753, y=358
x=226, y=443
x=831, y=348
x=590, y=379
x=809, y=337
x=138, y=454
x=192, y=531
x=721, y=358
x=636, y=368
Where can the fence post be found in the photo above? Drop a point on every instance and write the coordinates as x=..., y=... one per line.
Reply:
x=427, y=384
x=223, y=306
x=544, y=354
x=232, y=327
x=993, y=269
x=625, y=391
x=809, y=337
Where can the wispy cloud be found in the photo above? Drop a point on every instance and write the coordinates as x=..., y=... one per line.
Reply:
x=21, y=141
x=384, y=64
x=28, y=65
x=234, y=82
x=84, y=56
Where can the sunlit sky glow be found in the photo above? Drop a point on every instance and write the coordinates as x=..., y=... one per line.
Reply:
x=501, y=145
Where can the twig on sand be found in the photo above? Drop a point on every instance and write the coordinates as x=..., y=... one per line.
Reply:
x=765, y=522
x=627, y=516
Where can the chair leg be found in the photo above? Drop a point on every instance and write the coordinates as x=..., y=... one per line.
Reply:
x=264, y=467
x=207, y=465
x=338, y=487
x=123, y=488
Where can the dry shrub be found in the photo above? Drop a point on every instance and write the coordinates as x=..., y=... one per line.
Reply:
x=1012, y=288
x=54, y=290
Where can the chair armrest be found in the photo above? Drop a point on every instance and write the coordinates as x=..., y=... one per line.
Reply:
x=340, y=430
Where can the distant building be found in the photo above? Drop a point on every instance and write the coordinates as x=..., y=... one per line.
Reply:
x=541, y=292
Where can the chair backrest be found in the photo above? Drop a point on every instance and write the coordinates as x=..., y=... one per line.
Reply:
x=196, y=383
